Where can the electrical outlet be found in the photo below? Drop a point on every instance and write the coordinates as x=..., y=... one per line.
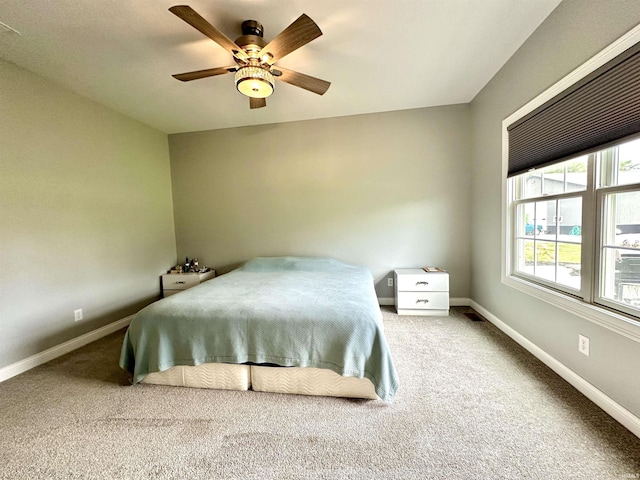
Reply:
x=583, y=344
x=77, y=314
x=390, y=282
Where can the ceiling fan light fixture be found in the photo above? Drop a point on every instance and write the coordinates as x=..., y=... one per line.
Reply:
x=254, y=57
x=255, y=82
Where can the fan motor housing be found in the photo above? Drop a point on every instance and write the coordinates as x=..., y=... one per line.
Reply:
x=252, y=27
x=251, y=38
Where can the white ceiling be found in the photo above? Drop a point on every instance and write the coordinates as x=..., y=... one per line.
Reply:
x=379, y=55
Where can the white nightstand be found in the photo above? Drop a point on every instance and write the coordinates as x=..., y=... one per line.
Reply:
x=173, y=283
x=421, y=293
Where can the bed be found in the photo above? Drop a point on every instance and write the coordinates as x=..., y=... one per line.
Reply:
x=305, y=325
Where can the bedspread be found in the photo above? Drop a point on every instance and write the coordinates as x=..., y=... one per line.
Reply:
x=287, y=311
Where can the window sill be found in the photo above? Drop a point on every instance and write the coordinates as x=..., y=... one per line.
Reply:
x=613, y=321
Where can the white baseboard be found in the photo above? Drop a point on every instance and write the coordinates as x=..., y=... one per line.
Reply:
x=454, y=302
x=617, y=411
x=62, y=349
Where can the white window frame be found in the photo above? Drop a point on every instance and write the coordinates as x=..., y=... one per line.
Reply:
x=601, y=193
x=586, y=202
x=617, y=322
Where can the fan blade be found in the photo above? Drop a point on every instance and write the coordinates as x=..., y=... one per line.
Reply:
x=299, y=33
x=257, y=102
x=190, y=16
x=301, y=80
x=210, y=72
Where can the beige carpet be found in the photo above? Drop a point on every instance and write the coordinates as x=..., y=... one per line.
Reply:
x=471, y=405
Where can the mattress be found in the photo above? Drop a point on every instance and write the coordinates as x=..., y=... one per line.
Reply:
x=288, y=380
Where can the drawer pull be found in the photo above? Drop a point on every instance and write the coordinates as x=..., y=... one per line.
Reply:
x=422, y=301
x=181, y=282
x=422, y=283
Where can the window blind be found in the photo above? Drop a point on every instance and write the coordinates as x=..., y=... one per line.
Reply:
x=601, y=108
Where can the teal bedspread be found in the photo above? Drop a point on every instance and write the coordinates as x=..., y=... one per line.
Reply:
x=288, y=311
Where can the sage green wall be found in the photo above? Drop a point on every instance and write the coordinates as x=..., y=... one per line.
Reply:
x=86, y=218
x=383, y=190
x=572, y=34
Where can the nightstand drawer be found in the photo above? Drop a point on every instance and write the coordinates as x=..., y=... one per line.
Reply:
x=179, y=282
x=173, y=283
x=423, y=300
x=429, y=282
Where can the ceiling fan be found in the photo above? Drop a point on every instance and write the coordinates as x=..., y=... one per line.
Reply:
x=254, y=69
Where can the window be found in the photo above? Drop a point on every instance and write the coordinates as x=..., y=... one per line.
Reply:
x=618, y=203
x=550, y=208
x=571, y=211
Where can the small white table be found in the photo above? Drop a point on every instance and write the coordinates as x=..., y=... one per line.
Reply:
x=173, y=283
x=421, y=293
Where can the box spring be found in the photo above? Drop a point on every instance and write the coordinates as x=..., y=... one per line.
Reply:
x=289, y=380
